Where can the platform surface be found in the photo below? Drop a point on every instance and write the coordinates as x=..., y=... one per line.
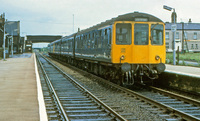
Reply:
x=18, y=87
x=187, y=70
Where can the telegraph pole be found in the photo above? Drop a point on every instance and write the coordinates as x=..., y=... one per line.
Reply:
x=73, y=23
x=4, y=38
x=183, y=37
x=174, y=33
x=173, y=28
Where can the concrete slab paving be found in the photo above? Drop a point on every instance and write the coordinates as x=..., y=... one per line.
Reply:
x=18, y=90
x=187, y=70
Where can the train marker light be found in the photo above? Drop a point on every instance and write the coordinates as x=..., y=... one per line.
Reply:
x=122, y=57
x=157, y=57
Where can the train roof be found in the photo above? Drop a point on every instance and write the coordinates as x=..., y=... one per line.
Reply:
x=132, y=16
x=55, y=41
x=124, y=17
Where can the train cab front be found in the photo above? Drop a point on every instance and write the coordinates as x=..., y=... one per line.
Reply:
x=140, y=49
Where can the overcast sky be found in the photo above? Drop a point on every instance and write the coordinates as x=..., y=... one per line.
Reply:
x=55, y=17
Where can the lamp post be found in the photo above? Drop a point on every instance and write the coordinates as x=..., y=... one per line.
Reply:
x=12, y=41
x=4, y=36
x=4, y=41
x=173, y=28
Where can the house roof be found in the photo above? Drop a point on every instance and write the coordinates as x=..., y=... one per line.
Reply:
x=187, y=26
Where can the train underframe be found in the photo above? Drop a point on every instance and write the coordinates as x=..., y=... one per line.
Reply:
x=121, y=74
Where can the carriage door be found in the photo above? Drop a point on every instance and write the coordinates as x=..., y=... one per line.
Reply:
x=122, y=41
x=141, y=42
x=157, y=46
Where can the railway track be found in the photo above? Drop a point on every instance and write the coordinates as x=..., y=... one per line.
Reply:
x=66, y=100
x=173, y=105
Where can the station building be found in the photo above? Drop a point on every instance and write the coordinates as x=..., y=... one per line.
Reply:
x=12, y=29
x=187, y=37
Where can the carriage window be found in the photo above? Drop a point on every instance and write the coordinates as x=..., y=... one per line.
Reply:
x=141, y=34
x=156, y=34
x=123, y=34
x=110, y=33
x=105, y=31
x=99, y=39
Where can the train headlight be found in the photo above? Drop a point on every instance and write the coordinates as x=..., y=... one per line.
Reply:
x=157, y=57
x=122, y=57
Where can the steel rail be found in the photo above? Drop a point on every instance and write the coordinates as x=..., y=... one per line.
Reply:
x=110, y=110
x=158, y=104
x=148, y=100
x=153, y=102
x=66, y=118
x=177, y=96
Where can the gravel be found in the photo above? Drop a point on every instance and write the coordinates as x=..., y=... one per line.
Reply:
x=132, y=108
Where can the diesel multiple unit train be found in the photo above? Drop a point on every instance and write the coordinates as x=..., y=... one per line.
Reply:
x=126, y=49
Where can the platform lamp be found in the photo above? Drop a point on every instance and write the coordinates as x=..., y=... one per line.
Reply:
x=173, y=28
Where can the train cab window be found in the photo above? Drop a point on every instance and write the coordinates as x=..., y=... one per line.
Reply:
x=141, y=35
x=123, y=34
x=157, y=34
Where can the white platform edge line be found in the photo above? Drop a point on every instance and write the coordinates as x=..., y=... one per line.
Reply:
x=42, y=108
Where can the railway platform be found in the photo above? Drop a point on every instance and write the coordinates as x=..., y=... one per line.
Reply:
x=183, y=70
x=181, y=77
x=21, y=96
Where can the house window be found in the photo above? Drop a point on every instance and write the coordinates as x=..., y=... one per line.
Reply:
x=167, y=45
x=167, y=35
x=177, y=35
x=196, y=46
x=185, y=34
x=195, y=36
x=192, y=46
